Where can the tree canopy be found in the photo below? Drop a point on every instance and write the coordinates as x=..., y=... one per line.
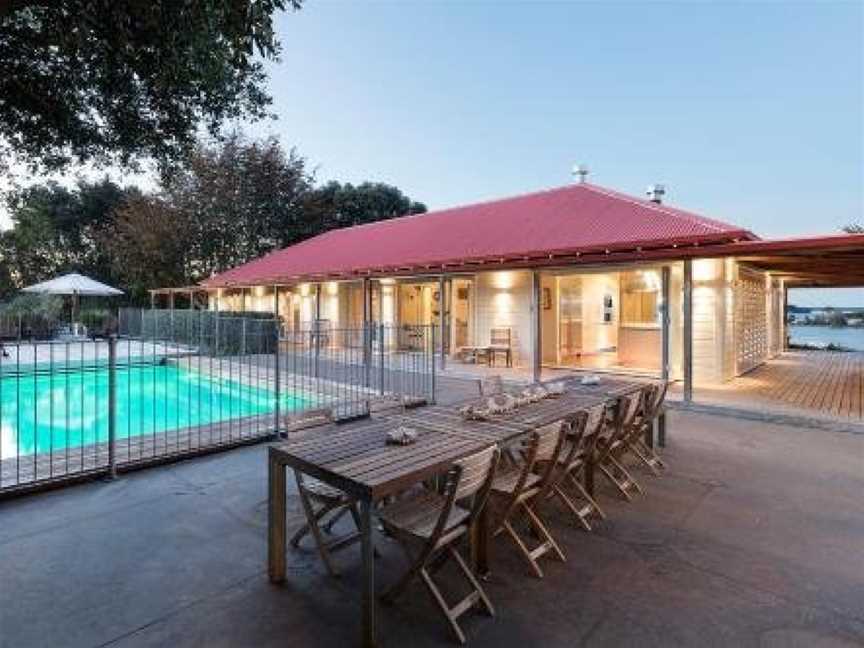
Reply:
x=129, y=79
x=232, y=202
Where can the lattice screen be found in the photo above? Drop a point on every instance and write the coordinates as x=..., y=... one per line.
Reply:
x=751, y=321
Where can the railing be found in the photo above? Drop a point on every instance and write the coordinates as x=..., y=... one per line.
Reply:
x=183, y=383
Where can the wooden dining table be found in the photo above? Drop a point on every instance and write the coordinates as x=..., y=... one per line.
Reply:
x=357, y=459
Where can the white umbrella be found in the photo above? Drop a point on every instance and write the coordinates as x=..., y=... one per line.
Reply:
x=73, y=284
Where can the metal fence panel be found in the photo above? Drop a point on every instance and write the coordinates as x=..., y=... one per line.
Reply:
x=183, y=382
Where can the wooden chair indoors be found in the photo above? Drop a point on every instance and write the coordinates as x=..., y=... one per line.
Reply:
x=518, y=491
x=500, y=342
x=430, y=526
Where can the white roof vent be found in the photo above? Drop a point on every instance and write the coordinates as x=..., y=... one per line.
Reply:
x=656, y=192
x=580, y=171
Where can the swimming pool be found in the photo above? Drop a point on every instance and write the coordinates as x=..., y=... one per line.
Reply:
x=47, y=411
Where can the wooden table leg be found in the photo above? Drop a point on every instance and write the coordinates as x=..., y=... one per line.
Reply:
x=661, y=430
x=649, y=434
x=480, y=543
x=276, y=545
x=368, y=585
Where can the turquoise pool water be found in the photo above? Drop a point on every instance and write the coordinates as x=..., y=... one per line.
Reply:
x=49, y=411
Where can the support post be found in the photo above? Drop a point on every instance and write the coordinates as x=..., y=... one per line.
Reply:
x=688, y=331
x=785, y=317
x=442, y=318
x=152, y=300
x=536, y=327
x=665, y=321
x=112, y=405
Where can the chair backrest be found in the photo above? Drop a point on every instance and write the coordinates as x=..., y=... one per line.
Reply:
x=491, y=385
x=574, y=447
x=470, y=476
x=549, y=445
x=639, y=413
x=500, y=336
x=659, y=398
x=475, y=473
x=611, y=427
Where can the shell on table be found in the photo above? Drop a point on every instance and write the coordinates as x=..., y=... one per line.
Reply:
x=402, y=435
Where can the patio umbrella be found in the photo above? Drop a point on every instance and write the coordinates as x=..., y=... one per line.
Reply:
x=75, y=285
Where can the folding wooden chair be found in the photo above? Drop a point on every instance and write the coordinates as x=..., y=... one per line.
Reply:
x=322, y=504
x=330, y=502
x=566, y=482
x=430, y=525
x=612, y=446
x=517, y=491
x=654, y=408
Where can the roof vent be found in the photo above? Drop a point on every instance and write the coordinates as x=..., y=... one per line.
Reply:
x=656, y=192
x=580, y=171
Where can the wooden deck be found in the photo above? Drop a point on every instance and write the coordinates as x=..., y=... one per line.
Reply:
x=810, y=383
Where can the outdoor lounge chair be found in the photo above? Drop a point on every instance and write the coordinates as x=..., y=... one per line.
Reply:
x=430, y=525
x=517, y=491
x=566, y=481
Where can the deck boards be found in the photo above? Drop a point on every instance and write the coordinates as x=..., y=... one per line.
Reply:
x=821, y=383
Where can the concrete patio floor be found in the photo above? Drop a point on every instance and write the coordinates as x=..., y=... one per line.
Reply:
x=755, y=537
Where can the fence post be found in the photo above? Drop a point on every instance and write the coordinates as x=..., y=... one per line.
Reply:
x=381, y=355
x=112, y=405
x=278, y=381
x=316, y=333
x=432, y=353
x=243, y=338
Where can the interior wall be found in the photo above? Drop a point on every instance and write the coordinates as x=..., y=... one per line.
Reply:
x=503, y=300
x=598, y=335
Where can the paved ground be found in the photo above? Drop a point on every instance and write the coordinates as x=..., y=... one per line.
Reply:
x=754, y=538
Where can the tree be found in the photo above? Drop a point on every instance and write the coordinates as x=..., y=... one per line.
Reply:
x=56, y=230
x=336, y=205
x=127, y=79
x=148, y=244
x=241, y=199
x=854, y=229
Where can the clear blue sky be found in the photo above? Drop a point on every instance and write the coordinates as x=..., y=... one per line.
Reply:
x=749, y=112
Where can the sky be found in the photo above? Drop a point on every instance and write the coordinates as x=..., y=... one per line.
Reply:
x=748, y=112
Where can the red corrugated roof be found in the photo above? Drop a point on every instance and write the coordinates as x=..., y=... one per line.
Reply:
x=575, y=218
